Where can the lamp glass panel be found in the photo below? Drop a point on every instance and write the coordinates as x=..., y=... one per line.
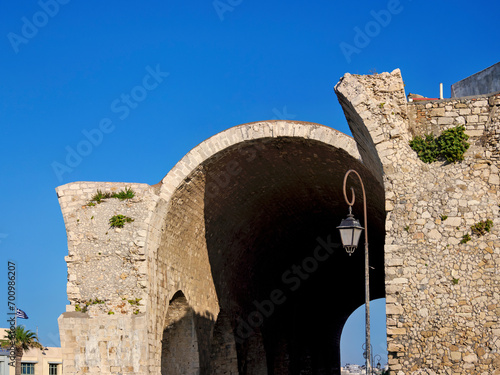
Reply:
x=346, y=236
x=356, y=235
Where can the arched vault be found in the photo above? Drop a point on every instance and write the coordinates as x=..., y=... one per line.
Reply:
x=244, y=226
x=254, y=210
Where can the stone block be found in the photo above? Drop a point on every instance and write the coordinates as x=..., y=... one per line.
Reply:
x=472, y=119
x=437, y=112
x=394, y=348
x=470, y=358
x=445, y=120
x=391, y=309
x=396, y=331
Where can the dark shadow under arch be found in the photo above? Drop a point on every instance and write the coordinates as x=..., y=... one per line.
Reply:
x=263, y=225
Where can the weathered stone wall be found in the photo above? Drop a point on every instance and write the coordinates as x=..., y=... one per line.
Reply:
x=224, y=359
x=109, y=265
x=442, y=296
x=480, y=115
x=106, y=263
x=115, y=344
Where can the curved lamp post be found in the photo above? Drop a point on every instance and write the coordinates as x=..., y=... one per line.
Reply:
x=350, y=232
x=377, y=358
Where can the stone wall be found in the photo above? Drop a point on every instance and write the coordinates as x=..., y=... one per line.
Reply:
x=479, y=114
x=114, y=344
x=107, y=279
x=442, y=295
x=106, y=263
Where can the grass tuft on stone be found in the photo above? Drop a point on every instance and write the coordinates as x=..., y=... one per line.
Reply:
x=119, y=221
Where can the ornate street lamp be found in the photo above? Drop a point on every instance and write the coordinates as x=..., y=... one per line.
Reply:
x=350, y=232
x=377, y=359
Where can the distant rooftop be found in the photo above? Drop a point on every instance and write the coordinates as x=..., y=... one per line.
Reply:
x=486, y=81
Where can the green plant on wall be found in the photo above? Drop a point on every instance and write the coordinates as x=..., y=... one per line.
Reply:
x=118, y=221
x=466, y=238
x=86, y=304
x=482, y=227
x=134, y=302
x=450, y=145
x=99, y=197
x=128, y=193
x=426, y=148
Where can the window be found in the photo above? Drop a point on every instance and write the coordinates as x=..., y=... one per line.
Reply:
x=27, y=368
x=52, y=369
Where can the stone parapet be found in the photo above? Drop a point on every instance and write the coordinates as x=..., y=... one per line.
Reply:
x=479, y=115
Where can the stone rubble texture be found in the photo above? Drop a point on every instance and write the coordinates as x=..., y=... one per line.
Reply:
x=442, y=296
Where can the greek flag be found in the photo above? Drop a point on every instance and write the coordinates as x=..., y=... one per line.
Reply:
x=21, y=314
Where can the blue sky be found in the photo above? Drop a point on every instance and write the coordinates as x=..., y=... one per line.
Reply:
x=69, y=67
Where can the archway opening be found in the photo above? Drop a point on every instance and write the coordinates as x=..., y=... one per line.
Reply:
x=353, y=336
x=275, y=253
x=251, y=231
x=179, y=353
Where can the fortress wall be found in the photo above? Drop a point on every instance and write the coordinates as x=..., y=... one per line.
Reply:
x=480, y=115
x=105, y=263
x=442, y=296
x=113, y=344
x=109, y=265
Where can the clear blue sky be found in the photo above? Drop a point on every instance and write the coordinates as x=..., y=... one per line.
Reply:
x=65, y=67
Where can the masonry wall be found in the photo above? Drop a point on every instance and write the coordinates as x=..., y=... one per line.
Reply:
x=104, y=328
x=103, y=344
x=442, y=295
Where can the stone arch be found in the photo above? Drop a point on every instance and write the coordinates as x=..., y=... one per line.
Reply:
x=179, y=343
x=228, y=212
